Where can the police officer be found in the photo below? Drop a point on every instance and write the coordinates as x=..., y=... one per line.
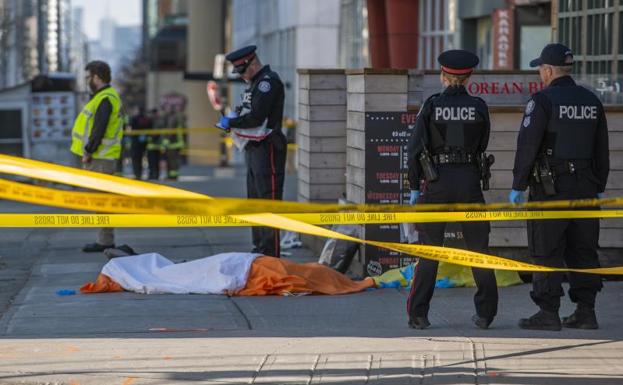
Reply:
x=97, y=133
x=450, y=136
x=562, y=153
x=258, y=119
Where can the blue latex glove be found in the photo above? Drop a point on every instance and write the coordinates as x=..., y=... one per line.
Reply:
x=223, y=123
x=600, y=195
x=516, y=196
x=414, y=195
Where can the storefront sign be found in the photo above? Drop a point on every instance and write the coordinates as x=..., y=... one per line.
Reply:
x=503, y=39
x=387, y=136
x=497, y=89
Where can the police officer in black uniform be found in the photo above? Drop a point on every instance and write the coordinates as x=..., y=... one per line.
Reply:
x=450, y=137
x=562, y=153
x=260, y=115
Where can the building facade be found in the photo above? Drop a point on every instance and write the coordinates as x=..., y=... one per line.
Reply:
x=290, y=34
x=592, y=29
x=35, y=38
x=354, y=34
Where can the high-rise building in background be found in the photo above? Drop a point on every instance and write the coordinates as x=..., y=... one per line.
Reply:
x=53, y=22
x=117, y=44
x=79, y=48
x=35, y=38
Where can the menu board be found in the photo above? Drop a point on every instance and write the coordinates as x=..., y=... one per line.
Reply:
x=387, y=136
x=52, y=116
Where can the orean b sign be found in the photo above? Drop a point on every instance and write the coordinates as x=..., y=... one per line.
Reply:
x=503, y=39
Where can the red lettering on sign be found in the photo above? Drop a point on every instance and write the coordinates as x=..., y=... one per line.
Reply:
x=473, y=88
x=408, y=118
x=484, y=88
x=533, y=87
x=494, y=88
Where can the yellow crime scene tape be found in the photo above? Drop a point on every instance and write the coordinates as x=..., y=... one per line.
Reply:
x=190, y=220
x=204, y=205
x=143, y=190
x=141, y=196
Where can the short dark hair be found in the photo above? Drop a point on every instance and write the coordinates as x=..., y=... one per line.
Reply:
x=99, y=68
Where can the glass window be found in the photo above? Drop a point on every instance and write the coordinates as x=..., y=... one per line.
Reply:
x=590, y=49
x=608, y=32
x=435, y=31
x=575, y=28
x=533, y=39
x=620, y=30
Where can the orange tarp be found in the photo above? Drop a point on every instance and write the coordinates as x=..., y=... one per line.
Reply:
x=273, y=276
x=103, y=284
x=276, y=276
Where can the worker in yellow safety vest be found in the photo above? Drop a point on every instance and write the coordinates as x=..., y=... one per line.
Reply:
x=97, y=133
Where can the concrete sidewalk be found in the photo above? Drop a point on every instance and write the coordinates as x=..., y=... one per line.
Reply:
x=126, y=338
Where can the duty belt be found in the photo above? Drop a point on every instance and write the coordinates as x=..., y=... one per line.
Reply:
x=570, y=166
x=454, y=158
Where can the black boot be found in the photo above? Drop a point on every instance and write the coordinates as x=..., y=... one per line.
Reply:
x=542, y=320
x=419, y=323
x=95, y=247
x=581, y=319
x=481, y=322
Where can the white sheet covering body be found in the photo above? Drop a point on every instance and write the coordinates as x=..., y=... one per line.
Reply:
x=154, y=274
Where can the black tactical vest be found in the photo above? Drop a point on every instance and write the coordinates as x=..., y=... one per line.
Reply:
x=457, y=123
x=573, y=122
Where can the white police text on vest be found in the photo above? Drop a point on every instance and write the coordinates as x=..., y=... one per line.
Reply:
x=455, y=113
x=577, y=112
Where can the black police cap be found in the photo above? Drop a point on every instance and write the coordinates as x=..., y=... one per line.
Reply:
x=241, y=53
x=555, y=54
x=457, y=61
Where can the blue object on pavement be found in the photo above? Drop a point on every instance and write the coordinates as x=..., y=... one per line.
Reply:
x=444, y=283
x=600, y=195
x=516, y=196
x=64, y=292
x=390, y=285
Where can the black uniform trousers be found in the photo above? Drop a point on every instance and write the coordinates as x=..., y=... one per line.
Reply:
x=570, y=242
x=456, y=184
x=153, y=163
x=138, y=152
x=266, y=161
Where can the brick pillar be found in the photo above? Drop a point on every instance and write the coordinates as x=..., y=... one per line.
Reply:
x=321, y=139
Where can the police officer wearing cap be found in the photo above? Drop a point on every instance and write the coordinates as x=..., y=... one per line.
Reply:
x=562, y=153
x=450, y=136
x=258, y=119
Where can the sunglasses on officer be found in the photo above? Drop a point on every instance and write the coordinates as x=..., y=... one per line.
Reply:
x=242, y=67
